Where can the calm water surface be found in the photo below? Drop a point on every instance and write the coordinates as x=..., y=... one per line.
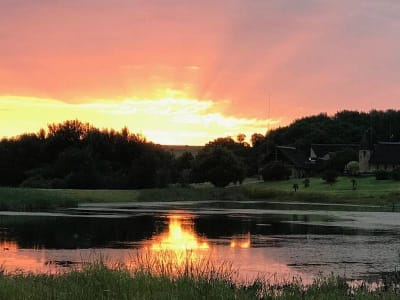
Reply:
x=278, y=241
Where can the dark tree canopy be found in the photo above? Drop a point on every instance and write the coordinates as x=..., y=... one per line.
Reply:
x=330, y=176
x=218, y=165
x=74, y=154
x=345, y=127
x=77, y=155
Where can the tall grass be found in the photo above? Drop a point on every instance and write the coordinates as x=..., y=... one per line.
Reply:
x=21, y=199
x=192, y=194
x=183, y=263
x=97, y=281
x=28, y=199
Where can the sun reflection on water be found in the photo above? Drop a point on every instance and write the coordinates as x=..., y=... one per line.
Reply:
x=241, y=242
x=178, y=238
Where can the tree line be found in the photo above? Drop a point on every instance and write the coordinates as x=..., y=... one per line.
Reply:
x=74, y=154
x=345, y=127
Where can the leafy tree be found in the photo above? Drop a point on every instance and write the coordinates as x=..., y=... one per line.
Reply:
x=242, y=151
x=241, y=137
x=182, y=168
x=184, y=161
x=256, y=139
x=218, y=165
x=76, y=155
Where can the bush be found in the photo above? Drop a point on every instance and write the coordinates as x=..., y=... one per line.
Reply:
x=353, y=168
x=36, y=182
x=306, y=182
x=275, y=171
x=396, y=174
x=382, y=175
x=330, y=176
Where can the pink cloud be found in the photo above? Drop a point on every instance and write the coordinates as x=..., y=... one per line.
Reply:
x=309, y=56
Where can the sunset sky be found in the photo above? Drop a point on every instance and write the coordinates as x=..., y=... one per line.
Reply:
x=185, y=72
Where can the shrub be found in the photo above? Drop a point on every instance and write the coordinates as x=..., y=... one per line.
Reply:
x=275, y=171
x=382, y=175
x=353, y=168
x=36, y=182
x=396, y=174
x=306, y=182
x=354, y=184
x=330, y=176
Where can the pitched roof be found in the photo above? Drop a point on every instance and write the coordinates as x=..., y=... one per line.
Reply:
x=295, y=156
x=322, y=149
x=386, y=153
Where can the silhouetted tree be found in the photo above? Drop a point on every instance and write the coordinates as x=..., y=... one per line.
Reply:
x=218, y=165
x=256, y=139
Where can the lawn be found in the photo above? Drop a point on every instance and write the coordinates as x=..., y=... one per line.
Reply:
x=369, y=191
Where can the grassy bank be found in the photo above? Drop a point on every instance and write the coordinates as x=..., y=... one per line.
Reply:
x=369, y=191
x=28, y=199
x=23, y=199
x=99, y=282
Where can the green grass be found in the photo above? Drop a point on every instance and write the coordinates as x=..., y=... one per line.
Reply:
x=369, y=191
x=29, y=199
x=166, y=194
x=385, y=193
x=23, y=199
x=96, y=281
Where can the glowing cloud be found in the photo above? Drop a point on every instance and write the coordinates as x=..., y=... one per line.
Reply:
x=166, y=121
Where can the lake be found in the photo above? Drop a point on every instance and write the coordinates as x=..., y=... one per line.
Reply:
x=274, y=239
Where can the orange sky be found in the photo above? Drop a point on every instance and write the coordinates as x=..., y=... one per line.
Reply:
x=218, y=59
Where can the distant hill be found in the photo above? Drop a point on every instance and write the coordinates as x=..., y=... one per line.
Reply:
x=178, y=150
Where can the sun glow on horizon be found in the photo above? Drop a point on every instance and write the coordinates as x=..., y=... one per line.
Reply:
x=172, y=119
